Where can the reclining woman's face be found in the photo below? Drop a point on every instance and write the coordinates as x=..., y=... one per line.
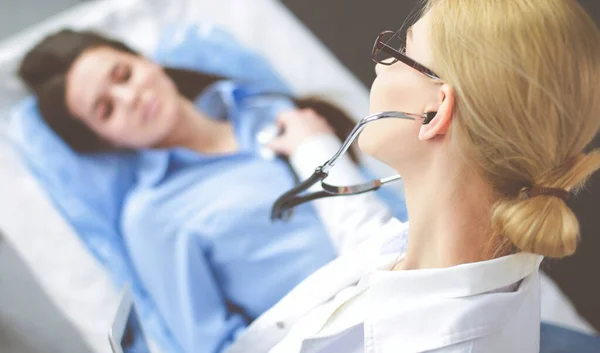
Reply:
x=125, y=99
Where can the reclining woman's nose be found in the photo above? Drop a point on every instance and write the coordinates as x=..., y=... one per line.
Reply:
x=127, y=95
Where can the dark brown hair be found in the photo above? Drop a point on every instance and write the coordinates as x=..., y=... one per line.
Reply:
x=45, y=66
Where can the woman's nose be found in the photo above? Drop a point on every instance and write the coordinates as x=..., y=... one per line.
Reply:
x=378, y=68
x=125, y=94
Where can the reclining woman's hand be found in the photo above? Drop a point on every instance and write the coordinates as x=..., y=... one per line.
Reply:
x=297, y=126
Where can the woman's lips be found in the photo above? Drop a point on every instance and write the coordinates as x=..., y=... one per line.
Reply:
x=150, y=109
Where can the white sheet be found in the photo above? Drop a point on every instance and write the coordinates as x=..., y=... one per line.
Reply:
x=72, y=278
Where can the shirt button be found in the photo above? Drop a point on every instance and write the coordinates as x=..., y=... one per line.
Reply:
x=280, y=325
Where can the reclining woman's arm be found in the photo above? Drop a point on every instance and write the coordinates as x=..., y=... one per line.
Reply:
x=349, y=220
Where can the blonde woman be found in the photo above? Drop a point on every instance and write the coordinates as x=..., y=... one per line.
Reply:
x=512, y=91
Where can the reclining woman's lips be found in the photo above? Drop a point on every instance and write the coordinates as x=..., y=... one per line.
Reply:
x=150, y=109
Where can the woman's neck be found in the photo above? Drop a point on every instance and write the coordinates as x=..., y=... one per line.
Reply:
x=449, y=217
x=198, y=132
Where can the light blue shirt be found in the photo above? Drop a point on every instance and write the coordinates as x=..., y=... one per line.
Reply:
x=198, y=231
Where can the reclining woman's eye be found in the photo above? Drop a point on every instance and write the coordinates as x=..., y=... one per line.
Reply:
x=121, y=73
x=105, y=110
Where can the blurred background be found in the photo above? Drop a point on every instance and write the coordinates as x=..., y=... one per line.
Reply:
x=41, y=307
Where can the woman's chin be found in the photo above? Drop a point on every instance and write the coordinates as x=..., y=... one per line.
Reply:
x=368, y=142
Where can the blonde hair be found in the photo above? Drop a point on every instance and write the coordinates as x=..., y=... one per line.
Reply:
x=527, y=79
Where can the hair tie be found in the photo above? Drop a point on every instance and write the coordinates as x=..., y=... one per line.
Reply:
x=543, y=191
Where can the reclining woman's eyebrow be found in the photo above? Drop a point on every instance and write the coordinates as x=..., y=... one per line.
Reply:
x=409, y=33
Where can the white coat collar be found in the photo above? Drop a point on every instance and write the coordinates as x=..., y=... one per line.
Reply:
x=425, y=310
x=457, y=281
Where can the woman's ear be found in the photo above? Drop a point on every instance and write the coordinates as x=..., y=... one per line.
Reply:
x=440, y=124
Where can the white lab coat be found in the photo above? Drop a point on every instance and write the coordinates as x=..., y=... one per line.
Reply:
x=491, y=306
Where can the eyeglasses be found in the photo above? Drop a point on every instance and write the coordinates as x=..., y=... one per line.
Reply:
x=385, y=53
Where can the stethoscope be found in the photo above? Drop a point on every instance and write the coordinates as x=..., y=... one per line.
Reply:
x=283, y=207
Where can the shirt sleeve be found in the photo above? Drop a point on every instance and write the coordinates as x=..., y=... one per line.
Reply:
x=349, y=220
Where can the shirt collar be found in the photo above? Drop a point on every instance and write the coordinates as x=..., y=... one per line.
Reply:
x=432, y=308
x=155, y=164
x=458, y=281
x=221, y=100
x=450, y=282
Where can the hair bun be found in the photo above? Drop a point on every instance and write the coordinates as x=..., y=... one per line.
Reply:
x=542, y=225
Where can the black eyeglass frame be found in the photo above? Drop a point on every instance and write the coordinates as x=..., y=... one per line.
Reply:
x=381, y=45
